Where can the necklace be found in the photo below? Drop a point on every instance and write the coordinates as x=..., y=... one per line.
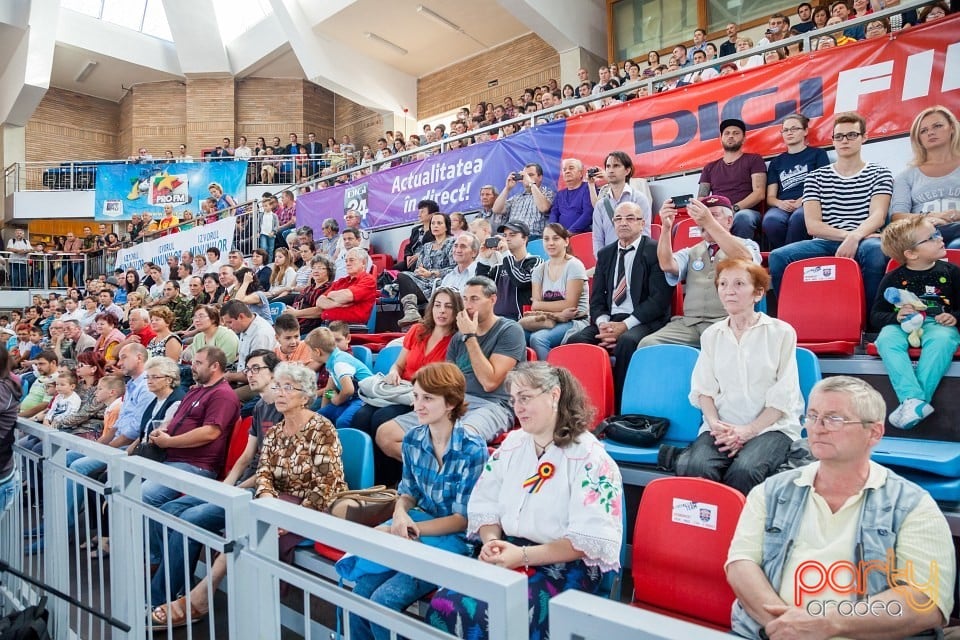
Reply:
x=541, y=448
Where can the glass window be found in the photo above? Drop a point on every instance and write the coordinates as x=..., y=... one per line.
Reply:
x=155, y=21
x=125, y=13
x=87, y=7
x=236, y=17
x=640, y=26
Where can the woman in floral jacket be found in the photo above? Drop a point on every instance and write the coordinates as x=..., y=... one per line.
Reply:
x=548, y=503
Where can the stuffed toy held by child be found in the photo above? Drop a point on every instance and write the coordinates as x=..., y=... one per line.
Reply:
x=913, y=323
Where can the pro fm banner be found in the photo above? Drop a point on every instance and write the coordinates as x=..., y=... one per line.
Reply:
x=887, y=80
x=197, y=240
x=453, y=179
x=127, y=189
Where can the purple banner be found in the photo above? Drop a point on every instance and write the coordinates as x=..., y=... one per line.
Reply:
x=453, y=179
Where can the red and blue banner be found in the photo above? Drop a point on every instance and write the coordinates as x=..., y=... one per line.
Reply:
x=127, y=189
x=887, y=80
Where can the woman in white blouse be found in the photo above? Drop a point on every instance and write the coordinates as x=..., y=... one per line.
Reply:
x=746, y=384
x=548, y=503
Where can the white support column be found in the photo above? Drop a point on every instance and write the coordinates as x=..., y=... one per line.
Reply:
x=26, y=74
x=200, y=48
x=564, y=24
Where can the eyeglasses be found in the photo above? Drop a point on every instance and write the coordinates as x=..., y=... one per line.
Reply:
x=626, y=219
x=830, y=422
x=850, y=135
x=524, y=399
x=256, y=368
x=936, y=235
x=791, y=129
x=285, y=388
x=156, y=376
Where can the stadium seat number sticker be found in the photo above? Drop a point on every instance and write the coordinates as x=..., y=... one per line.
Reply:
x=695, y=514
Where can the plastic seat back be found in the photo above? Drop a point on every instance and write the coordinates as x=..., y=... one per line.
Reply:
x=836, y=329
x=237, y=443
x=808, y=366
x=581, y=246
x=658, y=383
x=680, y=541
x=655, y=231
x=363, y=354
x=276, y=309
x=686, y=234
x=590, y=365
x=536, y=248
x=357, y=458
x=403, y=245
x=386, y=358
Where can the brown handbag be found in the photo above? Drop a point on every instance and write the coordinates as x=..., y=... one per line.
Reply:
x=370, y=507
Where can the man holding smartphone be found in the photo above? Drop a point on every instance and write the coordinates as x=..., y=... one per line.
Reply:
x=532, y=206
x=573, y=206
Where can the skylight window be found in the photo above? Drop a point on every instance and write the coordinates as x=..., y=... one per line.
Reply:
x=236, y=17
x=146, y=16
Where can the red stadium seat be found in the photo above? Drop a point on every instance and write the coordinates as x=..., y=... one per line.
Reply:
x=403, y=245
x=237, y=443
x=680, y=540
x=655, y=230
x=381, y=261
x=531, y=355
x=676, y=308
x=823, y=299
x=686, y=233
x=590, y=365
x=581, y=246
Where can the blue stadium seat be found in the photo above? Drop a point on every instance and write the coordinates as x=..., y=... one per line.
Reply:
x=386, y=358
x=809, y=368
x=277, y=308
x=940, y=489
x=936, y=457
x=363, y=354
x=357, y=458
x=536, y=248
x=657, y=384
x=370, y=327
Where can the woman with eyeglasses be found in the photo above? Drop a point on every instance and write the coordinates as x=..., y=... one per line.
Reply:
x=87, y=422
x=548, y=503
x=931, y=184
x=747, y=386
x=300, y=459
x=441, y=464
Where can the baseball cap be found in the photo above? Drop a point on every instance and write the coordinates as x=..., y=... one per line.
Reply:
x=717, y=201
x=733, y=122
x=113, y=281
x=516, y=225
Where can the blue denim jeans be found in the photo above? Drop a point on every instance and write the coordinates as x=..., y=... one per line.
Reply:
x=391, y=589
x=782, y=228
x=745, y=223
x=869, y=256
x=341, y=415
x=156, y=495
x=84, y=466
x=170, y=556
x=545, y=339
x=267, y=243
x=18, y=275
x=8, y=491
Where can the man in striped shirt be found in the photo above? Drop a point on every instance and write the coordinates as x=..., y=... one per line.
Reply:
x=844, y=205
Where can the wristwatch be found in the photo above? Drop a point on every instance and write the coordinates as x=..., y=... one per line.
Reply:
x=736, y=208
x=467, y=336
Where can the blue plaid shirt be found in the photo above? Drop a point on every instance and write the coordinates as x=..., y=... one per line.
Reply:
x=441, y=491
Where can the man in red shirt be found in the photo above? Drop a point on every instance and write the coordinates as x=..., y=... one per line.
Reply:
x=351, y=299
x=140, y=330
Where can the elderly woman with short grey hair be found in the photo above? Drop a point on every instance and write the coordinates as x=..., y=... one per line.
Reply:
x=300, y=459
x=331, y=232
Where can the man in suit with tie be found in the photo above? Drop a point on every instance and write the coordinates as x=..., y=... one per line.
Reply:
x=630, y=297
x=314, y=152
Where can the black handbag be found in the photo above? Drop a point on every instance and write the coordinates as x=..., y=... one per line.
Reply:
x=636, y=430
x=150, y=451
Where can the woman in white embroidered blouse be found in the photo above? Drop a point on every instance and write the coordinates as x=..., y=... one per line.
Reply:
x=548, y=502
x=747, y=385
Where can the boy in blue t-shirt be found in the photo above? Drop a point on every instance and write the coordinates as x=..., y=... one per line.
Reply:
x=341, y=398
x=918, y=246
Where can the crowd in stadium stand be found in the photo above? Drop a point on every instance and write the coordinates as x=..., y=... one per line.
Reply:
x=199, y=347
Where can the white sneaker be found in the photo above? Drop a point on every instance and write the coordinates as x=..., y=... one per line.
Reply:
x=910, y=413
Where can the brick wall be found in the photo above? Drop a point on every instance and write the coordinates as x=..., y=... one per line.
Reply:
x=210, y=113
x=72, y=126
x=363, y=125
x=524, y=62
x=318, y=112
x=269, y=107
x=153, y=116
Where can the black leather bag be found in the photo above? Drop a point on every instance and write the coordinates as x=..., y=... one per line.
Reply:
x=150, y=451
x=636, y=430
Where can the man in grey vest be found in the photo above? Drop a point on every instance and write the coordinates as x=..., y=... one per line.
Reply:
x=696, y=267
x=841, y=547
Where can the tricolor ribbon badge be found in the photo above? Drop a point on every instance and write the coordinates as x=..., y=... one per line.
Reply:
x=544, y=473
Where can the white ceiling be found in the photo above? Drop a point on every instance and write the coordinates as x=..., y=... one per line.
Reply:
x=106, y=79
x=431, y=46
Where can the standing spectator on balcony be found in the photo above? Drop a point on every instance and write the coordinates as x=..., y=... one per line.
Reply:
x=805, y=15
x=729, y=46
x=183, y=156
x=573, y=205
x=224, y=201
x=242, y=152
x=699, y=44
x=19, y=247
x=741, y=177
x=583, y=76
x=844, y=205
x=71, y=266
x=618, y=168
x=777, y=27
x=532, y=206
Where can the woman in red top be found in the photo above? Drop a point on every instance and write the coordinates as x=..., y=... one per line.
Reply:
x=426, y=342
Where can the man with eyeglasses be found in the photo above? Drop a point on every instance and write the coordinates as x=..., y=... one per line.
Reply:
x=786, y=175
x=630, y=297
x=485, y=348
x=196, y=440
x=261, y=364
x=844, y=206
x=842, y=547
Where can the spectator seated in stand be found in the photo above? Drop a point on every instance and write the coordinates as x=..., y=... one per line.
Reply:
x=433, y=262
x=341, y=398
x=304, y=307
x=741, y=177
x=351, y=298
x=514, y=275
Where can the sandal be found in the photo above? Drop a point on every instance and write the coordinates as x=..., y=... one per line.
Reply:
x=176, y=613
x=101, y=551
